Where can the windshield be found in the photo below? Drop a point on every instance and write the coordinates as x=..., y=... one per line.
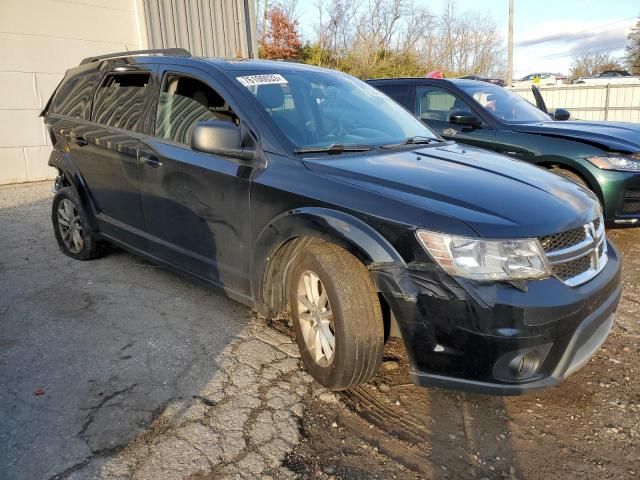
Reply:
x=504, y=104
x=316, y=109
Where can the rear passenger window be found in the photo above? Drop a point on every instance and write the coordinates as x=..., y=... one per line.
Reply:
x=119, y=100
x=433, y=103
x=73, y=98
x=185, y=101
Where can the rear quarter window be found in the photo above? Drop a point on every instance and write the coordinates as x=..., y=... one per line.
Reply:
x=119, y=100
x=73, y=97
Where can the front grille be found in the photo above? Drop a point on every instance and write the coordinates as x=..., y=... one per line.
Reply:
x=560, y=241
x=568, y=270
x=578, y=255
x=631, y=201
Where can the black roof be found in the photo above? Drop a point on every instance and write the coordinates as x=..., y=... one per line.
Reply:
x=460, y=82
x=183, y=57
x=250, y=64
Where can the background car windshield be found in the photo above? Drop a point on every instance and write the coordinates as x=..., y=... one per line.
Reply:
x=317, y=109
x=505, y=105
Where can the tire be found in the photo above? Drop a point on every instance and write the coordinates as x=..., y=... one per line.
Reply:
x=349, y=308
x=571, y=176
x=80, y=243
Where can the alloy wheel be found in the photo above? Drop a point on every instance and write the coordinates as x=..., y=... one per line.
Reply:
x=316, y=318
x=70, y=226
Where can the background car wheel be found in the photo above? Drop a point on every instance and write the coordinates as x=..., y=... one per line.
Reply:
x=571, y=176
x=336, y=316
x=71, y=227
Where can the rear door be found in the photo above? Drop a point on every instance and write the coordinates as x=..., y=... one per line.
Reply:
x=195, y=204
x=106, y=151
x=433, y=104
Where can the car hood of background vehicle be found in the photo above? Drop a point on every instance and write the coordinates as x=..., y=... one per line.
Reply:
x=494, y=195
x=615, y=136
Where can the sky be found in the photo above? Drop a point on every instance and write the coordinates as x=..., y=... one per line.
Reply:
x=548, y=34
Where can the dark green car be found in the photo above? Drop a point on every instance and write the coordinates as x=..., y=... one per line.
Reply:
x=604, y=156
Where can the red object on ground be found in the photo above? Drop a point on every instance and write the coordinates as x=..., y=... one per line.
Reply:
x=38, y=391
x=435, y=74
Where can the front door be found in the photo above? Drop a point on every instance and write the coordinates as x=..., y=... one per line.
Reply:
x=433, y=106
x=196, y=205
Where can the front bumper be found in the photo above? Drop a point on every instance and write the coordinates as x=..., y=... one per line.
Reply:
x=621, y=191
x=464, y=335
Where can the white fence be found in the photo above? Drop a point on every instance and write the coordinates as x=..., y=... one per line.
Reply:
x=620, y=103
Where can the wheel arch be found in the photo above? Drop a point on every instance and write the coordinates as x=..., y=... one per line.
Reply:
x=71, y=176
x=571, y=165
x=286, y=235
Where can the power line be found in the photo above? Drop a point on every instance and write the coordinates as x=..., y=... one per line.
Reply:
x=574, y=35
x=604, y=47
x=571, y=36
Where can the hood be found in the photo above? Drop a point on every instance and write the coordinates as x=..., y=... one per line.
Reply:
x=494, y=195
x=615, y=136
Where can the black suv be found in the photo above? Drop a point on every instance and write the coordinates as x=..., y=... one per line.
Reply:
x=304, y=189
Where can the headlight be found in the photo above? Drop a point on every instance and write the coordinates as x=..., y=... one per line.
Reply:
x=616, y=162
x=488, y=260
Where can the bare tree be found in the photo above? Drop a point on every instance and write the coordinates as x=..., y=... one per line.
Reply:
x=591, y=64
x=398, y=37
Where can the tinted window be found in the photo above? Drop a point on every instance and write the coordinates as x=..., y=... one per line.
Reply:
x=504, y=104
x=73, y=98
x=400, y=93
x=183, y=103
x=319, y=108
x=120, y=99
x=434, y=103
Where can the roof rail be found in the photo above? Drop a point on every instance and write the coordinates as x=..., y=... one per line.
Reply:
x=177, y=52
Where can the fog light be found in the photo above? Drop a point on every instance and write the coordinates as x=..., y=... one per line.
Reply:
x=524, y=365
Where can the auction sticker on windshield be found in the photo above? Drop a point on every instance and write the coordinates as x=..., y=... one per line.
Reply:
x=266, y=79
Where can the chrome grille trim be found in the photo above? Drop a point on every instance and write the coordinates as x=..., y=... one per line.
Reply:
x=594, y=247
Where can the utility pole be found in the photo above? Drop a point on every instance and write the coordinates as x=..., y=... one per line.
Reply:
x=510, y=46
x=264, y=21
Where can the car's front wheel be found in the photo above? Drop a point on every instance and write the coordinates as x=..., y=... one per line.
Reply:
x=336, y=315
x=71, y=227
x=563, y=172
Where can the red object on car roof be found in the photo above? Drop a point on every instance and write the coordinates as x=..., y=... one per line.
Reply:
x=435, y=74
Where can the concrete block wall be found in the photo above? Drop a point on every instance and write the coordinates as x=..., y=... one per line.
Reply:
x=39, y=40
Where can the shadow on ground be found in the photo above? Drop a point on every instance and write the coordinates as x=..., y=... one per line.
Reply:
x=92, y=352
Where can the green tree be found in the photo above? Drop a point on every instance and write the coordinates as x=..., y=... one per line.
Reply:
x=633, y=49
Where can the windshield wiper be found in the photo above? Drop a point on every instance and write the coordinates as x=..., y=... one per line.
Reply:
x=333, y=149
x=417, y=140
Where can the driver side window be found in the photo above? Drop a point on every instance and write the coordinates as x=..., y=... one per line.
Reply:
x=434, y=103
x=185, y=101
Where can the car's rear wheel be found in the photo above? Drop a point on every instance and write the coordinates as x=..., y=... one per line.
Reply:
x=71, y=227
x=336, y=316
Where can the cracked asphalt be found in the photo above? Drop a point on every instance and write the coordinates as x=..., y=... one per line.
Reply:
x=117, y=369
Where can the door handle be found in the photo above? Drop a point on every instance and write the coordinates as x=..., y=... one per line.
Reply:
x=151, y=160
x=79, y=140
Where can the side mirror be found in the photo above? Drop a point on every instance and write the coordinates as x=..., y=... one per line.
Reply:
x=561, y=114
x=220, y=138
x=464, y=117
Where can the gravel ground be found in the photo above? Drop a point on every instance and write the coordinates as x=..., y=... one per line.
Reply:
x=116, y=369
